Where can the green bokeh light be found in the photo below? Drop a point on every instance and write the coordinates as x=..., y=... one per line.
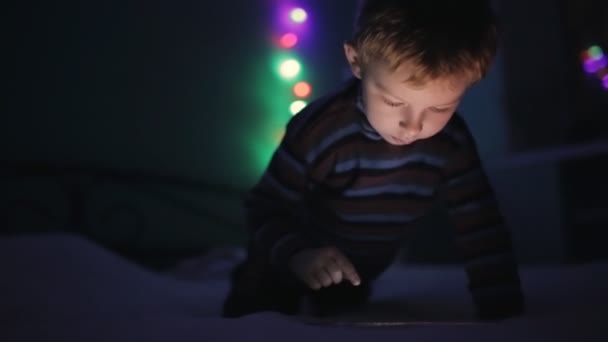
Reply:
x=284, y=61
x=289, y=68
x=275, y=96
x=595, y=52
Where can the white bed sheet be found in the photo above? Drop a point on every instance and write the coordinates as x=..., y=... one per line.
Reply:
x=66, y=288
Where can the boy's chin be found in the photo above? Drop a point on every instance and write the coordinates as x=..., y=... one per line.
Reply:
x=397, y=141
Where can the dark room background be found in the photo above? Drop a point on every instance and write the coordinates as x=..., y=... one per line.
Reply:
x=141, y=124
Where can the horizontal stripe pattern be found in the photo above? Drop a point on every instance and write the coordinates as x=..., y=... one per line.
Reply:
x=366, y=196
x=388, y=164
x=334, y=137
x=396, y=189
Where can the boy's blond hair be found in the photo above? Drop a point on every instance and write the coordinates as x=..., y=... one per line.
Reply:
x=436, y=38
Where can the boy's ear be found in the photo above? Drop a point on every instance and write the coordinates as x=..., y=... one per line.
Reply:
x=352, y=56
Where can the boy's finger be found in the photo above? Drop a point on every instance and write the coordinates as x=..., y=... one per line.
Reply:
x=324, y=277
x=334, y=270
x=312, y=282
x=348, y=270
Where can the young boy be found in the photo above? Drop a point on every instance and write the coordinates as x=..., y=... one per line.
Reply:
x=356, y=169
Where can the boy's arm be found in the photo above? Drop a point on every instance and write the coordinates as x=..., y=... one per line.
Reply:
x=275, y=205
x=481, y=234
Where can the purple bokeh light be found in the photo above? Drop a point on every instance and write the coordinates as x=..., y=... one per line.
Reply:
x=285, y=15
x=592, y=66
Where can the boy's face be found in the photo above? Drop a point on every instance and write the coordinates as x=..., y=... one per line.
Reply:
x=402, y=112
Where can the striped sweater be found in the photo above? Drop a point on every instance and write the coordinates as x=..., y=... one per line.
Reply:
x=333, y=181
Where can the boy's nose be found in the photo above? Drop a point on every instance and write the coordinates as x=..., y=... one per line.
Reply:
x=410, y=128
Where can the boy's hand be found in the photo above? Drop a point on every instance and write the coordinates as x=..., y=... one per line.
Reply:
x=323, y=267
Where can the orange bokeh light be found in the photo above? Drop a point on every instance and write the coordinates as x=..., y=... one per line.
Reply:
x=302, y=89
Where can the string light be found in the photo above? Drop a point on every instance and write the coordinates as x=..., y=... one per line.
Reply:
x=286, y=93
x=289, y=68
x=302, y=89
x=298, y=15
x=595, y=63
x=297, y=106
x=288, y=40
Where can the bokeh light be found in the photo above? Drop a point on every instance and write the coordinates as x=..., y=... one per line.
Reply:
x=595, y=63
x=288, y=40
x=595, y=53
x=297, y=106
x=291, y=26
x=298, y=15
x=289, y=68
x=590, y=66
x=302, y=89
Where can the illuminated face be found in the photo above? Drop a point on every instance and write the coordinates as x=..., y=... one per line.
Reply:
x=402, y=112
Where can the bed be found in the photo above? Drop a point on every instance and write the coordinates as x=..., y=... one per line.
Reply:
x=74, y=284
x=63, y=287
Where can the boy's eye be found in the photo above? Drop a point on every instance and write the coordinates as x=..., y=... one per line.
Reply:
x=440, y=110
x=390, y=103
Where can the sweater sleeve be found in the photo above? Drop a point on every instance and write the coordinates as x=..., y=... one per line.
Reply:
x=481, y=235
x=275, y=207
